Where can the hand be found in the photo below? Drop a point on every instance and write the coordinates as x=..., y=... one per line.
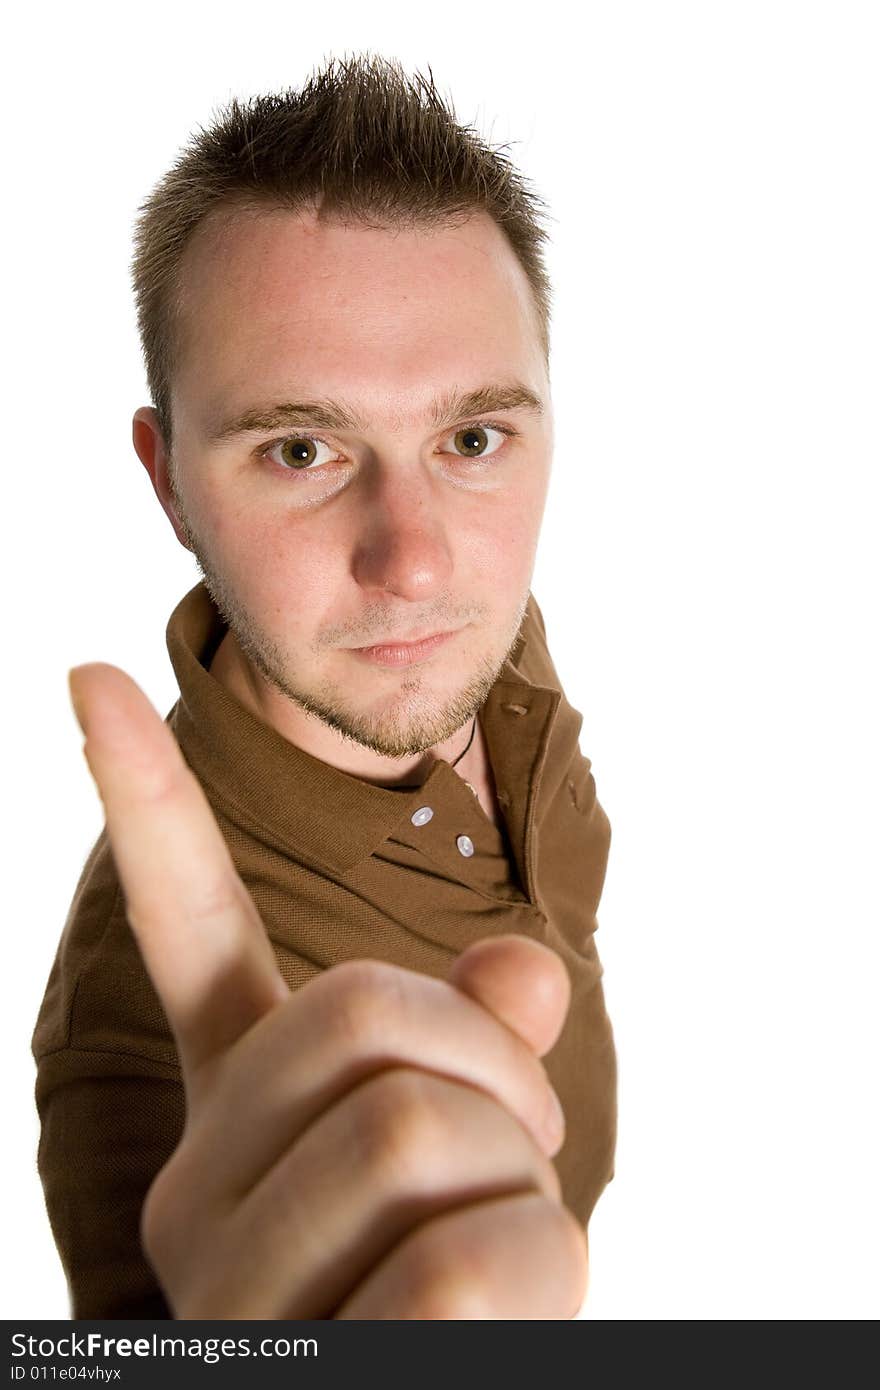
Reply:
x=372, y=1145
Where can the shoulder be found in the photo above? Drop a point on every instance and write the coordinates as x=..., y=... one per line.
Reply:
x=99, y=998
x=95, y=899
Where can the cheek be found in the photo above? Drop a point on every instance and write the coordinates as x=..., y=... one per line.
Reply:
x=277, y=568
x=502, y=549
x=240, y=535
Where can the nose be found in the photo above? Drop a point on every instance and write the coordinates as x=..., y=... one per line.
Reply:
x=402, y=542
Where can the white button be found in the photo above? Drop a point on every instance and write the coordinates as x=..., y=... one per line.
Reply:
x=465, y=845
x=422, y=815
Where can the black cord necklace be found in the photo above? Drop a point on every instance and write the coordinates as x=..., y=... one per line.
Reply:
x=469, y=742
x=413, y=786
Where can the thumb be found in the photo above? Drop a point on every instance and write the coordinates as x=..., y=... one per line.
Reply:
x=524, y=984
x=196, y=925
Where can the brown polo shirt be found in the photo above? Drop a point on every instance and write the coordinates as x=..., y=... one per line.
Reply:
x=338, y=869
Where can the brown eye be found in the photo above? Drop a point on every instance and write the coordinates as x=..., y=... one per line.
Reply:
x=298, y=452
x=471, y=441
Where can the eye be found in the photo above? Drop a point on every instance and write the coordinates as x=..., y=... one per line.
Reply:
x=470, y=439
x=298, y=453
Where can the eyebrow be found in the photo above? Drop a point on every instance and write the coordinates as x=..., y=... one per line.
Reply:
x=446, y=409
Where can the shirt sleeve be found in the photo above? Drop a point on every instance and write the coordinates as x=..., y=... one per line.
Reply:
x=109, y=1122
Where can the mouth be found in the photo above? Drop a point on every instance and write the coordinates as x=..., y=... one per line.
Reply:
x=404, y=653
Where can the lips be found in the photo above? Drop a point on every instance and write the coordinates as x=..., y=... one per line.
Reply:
x=405, y=641
x=403, y=653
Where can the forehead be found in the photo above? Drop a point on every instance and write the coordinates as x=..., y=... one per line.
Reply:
x=271, y=298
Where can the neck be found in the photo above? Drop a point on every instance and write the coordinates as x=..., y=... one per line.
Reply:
x=230, y=667
x=456, y=762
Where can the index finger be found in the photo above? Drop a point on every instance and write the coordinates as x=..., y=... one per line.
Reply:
x=200, y=935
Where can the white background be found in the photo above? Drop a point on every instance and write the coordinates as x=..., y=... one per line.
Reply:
x=708, y=566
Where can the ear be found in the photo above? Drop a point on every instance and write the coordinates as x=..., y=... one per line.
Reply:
x=149, y=446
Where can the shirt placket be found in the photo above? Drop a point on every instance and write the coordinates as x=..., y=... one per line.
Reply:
x=447, y=823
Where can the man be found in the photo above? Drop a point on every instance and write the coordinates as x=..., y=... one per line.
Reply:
x=288, y=1056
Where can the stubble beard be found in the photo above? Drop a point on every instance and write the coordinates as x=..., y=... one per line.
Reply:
x=401, y=732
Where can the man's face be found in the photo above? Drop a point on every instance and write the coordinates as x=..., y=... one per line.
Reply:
x=318, y=538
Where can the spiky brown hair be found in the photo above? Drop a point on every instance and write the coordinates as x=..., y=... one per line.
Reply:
x=361, y=141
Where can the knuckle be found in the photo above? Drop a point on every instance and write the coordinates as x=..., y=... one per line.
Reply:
x=159, y=1214
x=400, y=1127
x=173, y=1208
x=161, y=782
x=450, y=1272
x=218, y=897
x=445, y=1288
x=363, y=997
